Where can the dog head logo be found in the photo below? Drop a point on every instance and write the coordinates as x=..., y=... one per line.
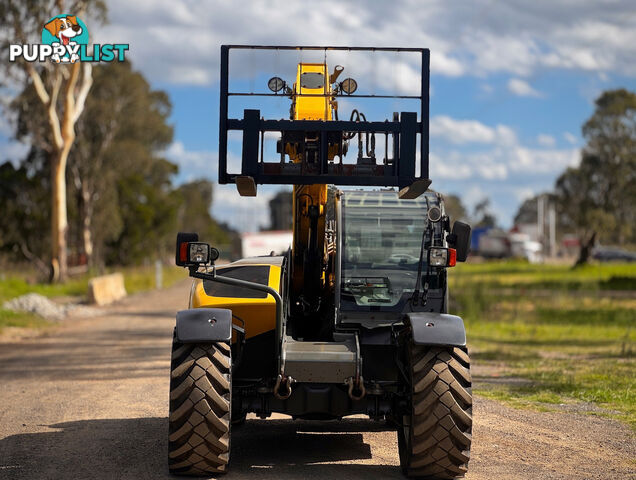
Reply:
x=68, y=32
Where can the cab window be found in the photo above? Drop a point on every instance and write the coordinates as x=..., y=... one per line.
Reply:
x=255, y=274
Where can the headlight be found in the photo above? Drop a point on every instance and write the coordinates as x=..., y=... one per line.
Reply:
x=348, y=85
x=276, y=84
x=442, y=257
x=198, y=252
x=437, y=257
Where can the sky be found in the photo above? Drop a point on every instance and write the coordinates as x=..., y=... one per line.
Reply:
x=511, y=82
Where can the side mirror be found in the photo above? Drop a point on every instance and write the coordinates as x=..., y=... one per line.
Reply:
x=192, y=253
x=460, y=240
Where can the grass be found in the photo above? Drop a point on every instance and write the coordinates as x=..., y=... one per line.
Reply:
x=15, y=285
x=139, y=279
x=521, y=275
x=136, y=279
x=20, y=319
x=569, y=333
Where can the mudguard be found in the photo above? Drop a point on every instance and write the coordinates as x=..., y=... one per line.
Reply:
x=201, y=325
x=430, y=328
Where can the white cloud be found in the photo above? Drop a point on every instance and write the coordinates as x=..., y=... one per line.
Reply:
x=480, y=161
x=522, y=88
x=546, y=140
x=443, y=167
x=523, y=193
x=469, y=149
x=246, y=214
x=469, y=131
x=446, y=65
x=486, y=88
x=460, y=131
x=192, y=164
x=179, y=43
x=570, y=138
x=530, y=161
x=495, y=171
x=197, y=159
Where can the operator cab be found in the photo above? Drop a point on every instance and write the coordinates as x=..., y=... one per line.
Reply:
x=382, y=237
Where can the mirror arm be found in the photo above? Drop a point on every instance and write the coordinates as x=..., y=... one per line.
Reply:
x=213, y=277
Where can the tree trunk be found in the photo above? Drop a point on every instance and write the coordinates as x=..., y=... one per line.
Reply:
x=586, y=250
x=59, y=222
x=64, y=136
x=87, y=218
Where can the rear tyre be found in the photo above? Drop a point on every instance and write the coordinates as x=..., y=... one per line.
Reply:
x=200, y=406
x=435, y=436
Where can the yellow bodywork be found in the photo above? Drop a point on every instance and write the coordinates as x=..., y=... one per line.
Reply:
x=309, y=104
x=312, y=103
x=259, y=314
x=306, y=105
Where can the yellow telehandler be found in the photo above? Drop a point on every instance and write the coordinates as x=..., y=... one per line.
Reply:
x=353, y=319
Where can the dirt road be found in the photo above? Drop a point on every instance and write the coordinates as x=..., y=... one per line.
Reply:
x=90, y=401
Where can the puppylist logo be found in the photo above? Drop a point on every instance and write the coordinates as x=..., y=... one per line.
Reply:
x=65, y=40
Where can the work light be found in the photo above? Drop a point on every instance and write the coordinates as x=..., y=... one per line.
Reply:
x=442, y=257
x=349, y=85
x=198, y=252
x=276, y=84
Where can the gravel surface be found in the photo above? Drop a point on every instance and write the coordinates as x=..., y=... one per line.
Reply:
x=45, y=308
x=38, y=304
x=90, y=400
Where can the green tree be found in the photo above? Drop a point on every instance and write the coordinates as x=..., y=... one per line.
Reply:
x=454, y=208
x=482, y=215
x=61, y=91
x=148, y=205
x=598, y=198
x=125, y=125
x=194, y=215
x=24, y=199
x=527, y=211
x=117, y=140
x=194, y=211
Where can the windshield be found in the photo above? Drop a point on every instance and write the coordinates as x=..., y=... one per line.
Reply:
x=382, y=237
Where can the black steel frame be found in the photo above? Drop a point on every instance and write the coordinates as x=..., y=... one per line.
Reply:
x=404, y=128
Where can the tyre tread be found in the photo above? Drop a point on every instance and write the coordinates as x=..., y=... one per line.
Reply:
x=199, y=421
x=441, y=424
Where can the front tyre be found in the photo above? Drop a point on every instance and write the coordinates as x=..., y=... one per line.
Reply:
x=200, y=406
x=435, y=436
